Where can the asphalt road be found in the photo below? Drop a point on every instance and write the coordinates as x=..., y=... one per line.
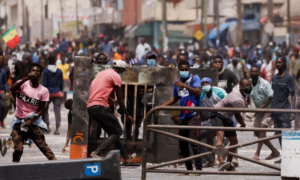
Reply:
x=56, y=143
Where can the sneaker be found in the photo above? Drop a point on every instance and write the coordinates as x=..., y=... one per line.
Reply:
x=231, y=168
x=223, y=166
x=235, y=163
x=3, y=146
x=9, y=143
x=278, y=162
x=209, y=164
x=94, y=155
x=2, y=124
x=130, y=158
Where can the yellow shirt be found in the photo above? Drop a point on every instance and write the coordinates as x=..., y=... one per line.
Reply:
x=65, y=69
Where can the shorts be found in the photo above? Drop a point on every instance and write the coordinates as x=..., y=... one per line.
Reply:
x=219, y=120
x=263, y=119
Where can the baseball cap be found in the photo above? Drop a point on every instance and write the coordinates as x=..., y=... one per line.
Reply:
x=119, y=63
x=206, y=79
x=151, y=53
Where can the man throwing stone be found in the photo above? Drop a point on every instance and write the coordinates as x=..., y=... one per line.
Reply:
x=98, y=108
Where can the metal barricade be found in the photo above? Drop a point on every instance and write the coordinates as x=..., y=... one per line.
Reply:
x=156, y=128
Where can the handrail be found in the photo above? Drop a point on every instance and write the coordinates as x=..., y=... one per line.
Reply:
x=212, y=109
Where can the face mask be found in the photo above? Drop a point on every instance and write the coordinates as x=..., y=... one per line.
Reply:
x=206, y=88
x=121, y=74
x=247, y=90
x=14, y=58
x=151, y=62
x=196, y=65
x=254, y=76
x=184, y=74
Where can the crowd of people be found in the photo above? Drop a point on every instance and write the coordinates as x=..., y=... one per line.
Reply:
x=249, y=75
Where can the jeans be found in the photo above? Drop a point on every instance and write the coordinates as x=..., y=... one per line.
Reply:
x=184, y=146
x=106, y=119
x=2, y=106
x=281, y=121
x=36, y=134
x=57, y=104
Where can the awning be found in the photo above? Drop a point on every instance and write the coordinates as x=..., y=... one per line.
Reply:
x=178, y=37
x=129, y=31
x=222, y=28
x=143, y=30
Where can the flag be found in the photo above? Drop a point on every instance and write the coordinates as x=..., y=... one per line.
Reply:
x=11, y=37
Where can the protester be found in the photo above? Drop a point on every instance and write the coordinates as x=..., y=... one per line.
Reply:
x=227, y=78
x=197, y=61
x=141, y=48
x=106, y=47
x=98, y=108
x=68, y=106
x=27, y=123
x=53, y=81
x=3, y=91
x=236, y=99
x=283, y=86
x=262, y=95
x=210, y=96
x=64, y=67
x=186, y=90
x=236, y=67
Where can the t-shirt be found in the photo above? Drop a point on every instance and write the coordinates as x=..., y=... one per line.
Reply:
x=232, y=100
x=227, y=80
x=29, y=98
x=282, y=88
x=65, y=69
x=238, y=70
x=102, y=86
x=185, y=98
x=216, y=96
x=261, y=92
x=106, y=48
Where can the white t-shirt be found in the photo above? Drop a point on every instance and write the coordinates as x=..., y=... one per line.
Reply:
x=140, y=50
x=217, y=95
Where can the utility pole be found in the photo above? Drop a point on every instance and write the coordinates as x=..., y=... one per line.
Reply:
x=239, y=29
x=77, y=23
x=201, y=23
x=270, y=16
x=24, y=21
x=61, y=11
x=42, y=19
x=217, y=24
x=288, y=23
x=204, y=9
x=164, y=22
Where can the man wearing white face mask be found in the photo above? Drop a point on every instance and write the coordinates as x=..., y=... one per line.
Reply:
x=209, y=98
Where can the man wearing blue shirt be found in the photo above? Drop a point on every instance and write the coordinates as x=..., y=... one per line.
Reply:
x=106, y=47
x=187, y=91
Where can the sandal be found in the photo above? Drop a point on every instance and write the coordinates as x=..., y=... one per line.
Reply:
x=272, y=157
x=256, y=157
x=56, y=132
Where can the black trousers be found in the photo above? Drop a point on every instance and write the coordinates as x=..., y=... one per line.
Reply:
x=281, y=121
x=184, y=146
x=106, y=119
